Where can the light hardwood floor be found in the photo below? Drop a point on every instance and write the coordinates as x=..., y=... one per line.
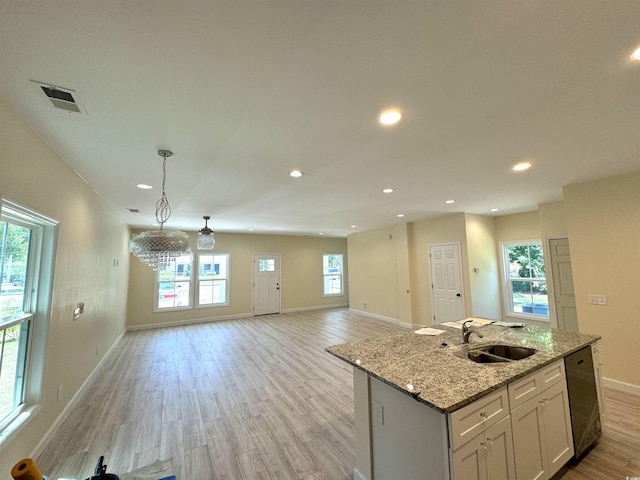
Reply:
x=254, y=398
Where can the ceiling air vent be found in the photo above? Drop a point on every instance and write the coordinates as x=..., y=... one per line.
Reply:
x=134, y=210
x=61, y=98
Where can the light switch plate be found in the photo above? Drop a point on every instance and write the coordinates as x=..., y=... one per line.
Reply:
x=378, y=412
x=596, y=299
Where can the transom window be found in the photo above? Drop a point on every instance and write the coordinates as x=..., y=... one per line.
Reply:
x=332, y=273
x=525, y=280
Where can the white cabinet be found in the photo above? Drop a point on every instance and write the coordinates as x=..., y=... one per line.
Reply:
x=481, y=441
x=541, y=423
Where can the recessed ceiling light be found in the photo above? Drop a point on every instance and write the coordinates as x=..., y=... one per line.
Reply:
x=449, y=201
x=353, y=226
x=250, y=229
x=519, y=167
x=295, y=173
x=320, y=233
x=636, y=54
x=400, y=215
x=390, y=117
x=144, y=186
x=494, y=210
x=387, y=190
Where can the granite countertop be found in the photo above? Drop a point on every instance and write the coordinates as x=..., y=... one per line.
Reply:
x=420, y=366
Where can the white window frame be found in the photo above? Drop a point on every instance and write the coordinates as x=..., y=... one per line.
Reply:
x=157, y=293
x=507, y=286
x=226, y=280
x=38, y=292
x=331, y=274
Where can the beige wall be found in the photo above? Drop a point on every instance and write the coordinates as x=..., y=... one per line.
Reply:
x=484, y=275
x=447, y=229
x=603, y=221
x=553, y=222
x=301, y=271
x=374, y=283
x=389, y=268
x=90, y=240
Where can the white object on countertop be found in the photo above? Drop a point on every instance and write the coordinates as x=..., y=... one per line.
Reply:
x=473, y=322
x=429, y=331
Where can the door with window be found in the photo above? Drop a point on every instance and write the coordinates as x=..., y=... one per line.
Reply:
x=446, y=282
x=266, y=283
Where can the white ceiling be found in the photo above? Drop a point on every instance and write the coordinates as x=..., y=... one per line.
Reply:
x=244, y=91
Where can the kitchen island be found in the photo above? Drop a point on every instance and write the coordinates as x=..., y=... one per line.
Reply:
x=425, y=410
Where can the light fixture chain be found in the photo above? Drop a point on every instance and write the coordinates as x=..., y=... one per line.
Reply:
x=163, y=209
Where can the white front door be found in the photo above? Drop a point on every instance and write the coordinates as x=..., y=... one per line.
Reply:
x=446, y=283
x=563, y=292
x=266, y=283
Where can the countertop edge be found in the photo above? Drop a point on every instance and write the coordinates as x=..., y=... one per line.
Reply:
x=447, y=409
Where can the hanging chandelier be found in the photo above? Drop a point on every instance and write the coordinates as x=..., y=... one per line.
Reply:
x=205, y=236
x=158, y=248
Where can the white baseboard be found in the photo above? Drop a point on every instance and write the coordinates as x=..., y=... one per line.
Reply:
x=66, y=411
x=316, y=307
x=358, y=476
x=393, y=321
x=149, y=326
x=622, y=386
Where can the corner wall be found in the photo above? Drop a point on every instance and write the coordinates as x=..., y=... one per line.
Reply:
x=603, y=220
x=91, y=241
x=301, y=271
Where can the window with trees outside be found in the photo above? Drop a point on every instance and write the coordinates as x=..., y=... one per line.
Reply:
x=213, y=277
x=525, y=281
x=332, y=271
x=173, y=284
x=27, y=242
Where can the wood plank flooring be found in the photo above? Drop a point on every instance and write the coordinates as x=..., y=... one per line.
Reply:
x=254, y=398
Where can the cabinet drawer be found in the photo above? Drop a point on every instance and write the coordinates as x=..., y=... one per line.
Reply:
x=528, y=387
x=469, y=421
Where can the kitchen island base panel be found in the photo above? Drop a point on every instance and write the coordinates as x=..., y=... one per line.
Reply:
x=407, y=440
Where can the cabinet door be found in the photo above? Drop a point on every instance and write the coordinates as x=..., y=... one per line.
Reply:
x=468, y=462
x=557, y=426
x=499, y=451
x=528, y=441
x=472, y=419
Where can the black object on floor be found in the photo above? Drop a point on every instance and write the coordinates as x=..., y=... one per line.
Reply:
x=101, y=472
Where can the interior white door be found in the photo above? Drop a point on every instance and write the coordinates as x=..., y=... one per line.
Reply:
x=266, y=283
x=563, y=291
x=446, y=282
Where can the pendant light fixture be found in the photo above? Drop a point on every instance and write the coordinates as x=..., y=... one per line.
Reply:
x=205, y=236
x=158, y=248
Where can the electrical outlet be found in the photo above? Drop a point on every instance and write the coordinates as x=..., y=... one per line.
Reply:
x=596, y=299
x=365, y=305
x=378, y=411
x=59, y=394
x=97, y=350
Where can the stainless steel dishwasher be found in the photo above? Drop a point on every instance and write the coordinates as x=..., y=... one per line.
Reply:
x=583, y=399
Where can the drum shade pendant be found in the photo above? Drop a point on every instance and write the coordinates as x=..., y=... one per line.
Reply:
x=205, y=236
x=158, y=248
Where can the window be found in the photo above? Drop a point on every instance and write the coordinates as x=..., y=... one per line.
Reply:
x=332, y=271
x=27, y=242
x=525, y=281
x=266, y=265
x=213, y=278
x=174, y=284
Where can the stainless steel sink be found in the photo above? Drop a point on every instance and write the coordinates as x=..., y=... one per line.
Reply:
x=497, y=354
